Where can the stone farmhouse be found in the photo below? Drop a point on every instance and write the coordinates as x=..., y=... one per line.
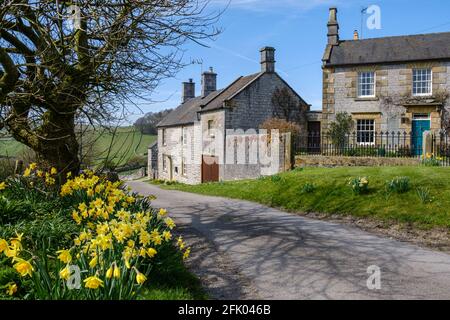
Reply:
x=391, y=84
x=191, y=140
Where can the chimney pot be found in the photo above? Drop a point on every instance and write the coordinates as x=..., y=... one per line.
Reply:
x=268, y=59
x=356, y=35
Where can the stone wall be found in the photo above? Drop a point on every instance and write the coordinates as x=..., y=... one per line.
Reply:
x=175, y=151
x=250, y=108
x=336, y=161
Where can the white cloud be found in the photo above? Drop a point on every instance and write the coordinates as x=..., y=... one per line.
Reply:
x=262, y=5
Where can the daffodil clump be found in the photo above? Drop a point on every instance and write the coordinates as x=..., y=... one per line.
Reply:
x=359, y=185
x=431, y=160
x=119, y=239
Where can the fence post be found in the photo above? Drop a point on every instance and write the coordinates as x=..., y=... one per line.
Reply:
x=427, y=146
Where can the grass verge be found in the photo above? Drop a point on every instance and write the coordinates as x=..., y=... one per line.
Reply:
x=326, y=190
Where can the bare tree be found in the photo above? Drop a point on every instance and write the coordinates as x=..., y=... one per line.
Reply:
x=60, y=60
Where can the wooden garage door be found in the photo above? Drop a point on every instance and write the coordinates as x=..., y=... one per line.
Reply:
x=210, y=169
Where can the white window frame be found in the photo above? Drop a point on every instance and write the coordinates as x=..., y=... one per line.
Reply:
x=426, y=94
x=164, y=138
x=164, y=163
x=184, y=135
x=210, y=125
x=366, y=130
x=360, y=84
x=183, y=166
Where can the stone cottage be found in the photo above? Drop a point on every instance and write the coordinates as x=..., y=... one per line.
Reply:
x=391, y=84
x=192, y=140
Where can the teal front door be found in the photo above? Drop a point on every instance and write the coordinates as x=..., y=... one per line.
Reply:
x=419, y=126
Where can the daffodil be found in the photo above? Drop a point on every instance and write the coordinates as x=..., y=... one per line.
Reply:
x=109, y=272
x=2, y=186
x=53, y=171
x=93, y=262
x=3, y=245
x=151, y=252
x=167, y=235
x=116, y=272
x=23, y=267
x=11, y=288
x=186, y=253
x=93, y=282
x=169, y=223
x=65, y=273
x=140, y=277
x=64, y=256
x=162, y=212
x=27, y=172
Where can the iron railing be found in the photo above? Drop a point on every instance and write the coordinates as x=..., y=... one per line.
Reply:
x=375, y=144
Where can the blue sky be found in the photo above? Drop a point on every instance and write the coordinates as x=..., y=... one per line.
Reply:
x=297, y=29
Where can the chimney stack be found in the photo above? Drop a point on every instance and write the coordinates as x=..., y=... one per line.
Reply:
x=188, y=90
x=356, y=35
x=333, y=28
x=268, y=59
x=209, y=82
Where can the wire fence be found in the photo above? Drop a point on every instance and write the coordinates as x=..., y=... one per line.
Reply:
x=429, y=147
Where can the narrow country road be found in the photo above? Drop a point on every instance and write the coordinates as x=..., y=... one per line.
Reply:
x=244, y=250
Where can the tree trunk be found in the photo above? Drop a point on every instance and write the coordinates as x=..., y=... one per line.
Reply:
x=54, y=141
x=57, y=143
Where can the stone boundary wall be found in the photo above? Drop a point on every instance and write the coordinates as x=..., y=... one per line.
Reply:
x=337, y=161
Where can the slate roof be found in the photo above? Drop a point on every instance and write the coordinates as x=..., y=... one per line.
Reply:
x=186, y=113
x=422, y=47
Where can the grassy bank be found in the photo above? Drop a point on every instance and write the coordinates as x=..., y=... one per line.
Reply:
x=125, y=144
x=327, y=190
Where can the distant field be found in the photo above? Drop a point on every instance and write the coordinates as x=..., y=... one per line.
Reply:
x=126, y=144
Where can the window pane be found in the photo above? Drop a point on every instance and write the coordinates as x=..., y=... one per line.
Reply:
x=422, y=81
x=366, y=84
x=365, y=131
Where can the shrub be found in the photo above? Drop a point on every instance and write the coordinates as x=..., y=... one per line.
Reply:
x=308, y=188
x=398, y=185
x=359, y=185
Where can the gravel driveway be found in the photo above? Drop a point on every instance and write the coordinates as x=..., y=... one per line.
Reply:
x=243, y=250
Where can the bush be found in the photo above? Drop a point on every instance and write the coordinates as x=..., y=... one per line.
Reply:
x=398, y=185
x=359, y=185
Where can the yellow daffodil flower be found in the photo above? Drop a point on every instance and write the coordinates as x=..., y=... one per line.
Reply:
x=162, y=212
x=151, y=252
x=116, y=272
x=53, y=171
x=93, y=282
x=2, y=186
x=64, y=256
x=27, y=172
x=23, y=267
x=109, y=272
x=140, y=278
x=169, y=223
x=186, y=253
x=65, y=273
x=93, y=262
x=3, y=245
x=11, y=288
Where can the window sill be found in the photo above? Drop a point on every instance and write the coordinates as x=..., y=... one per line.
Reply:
x=367, y=99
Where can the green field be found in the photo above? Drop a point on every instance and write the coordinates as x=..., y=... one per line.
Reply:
x=125, y=144
x=332, y=193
